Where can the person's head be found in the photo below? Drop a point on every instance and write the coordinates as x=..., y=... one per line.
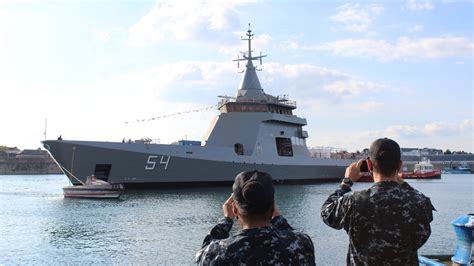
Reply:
x=253, y=195
x=385, y=157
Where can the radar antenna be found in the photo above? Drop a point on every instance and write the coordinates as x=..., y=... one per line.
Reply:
x=247, y=56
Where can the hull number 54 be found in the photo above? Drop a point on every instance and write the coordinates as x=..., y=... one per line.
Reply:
x=152, y=160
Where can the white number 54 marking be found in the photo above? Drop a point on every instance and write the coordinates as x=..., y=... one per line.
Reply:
x=151, y=163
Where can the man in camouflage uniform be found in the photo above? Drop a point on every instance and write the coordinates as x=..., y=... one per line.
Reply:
x=386, y=223
x=263, y=240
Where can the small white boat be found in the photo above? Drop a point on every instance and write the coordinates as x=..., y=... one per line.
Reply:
x=94, y=188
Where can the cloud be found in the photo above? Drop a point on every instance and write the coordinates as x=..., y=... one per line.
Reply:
x=416, y=28
x=352, y=87
x=456, y=1
x=355, y=106
x=402, y=131
x=292, y=44
x=432, y=129
x=180, y=82
x=102, y=36
x=307, y=81
x=441, y=134
x=185, y=20
x=164, y=90
x=6, y=20
x=405, y=48
x=355, y=17
x=444, y=128
x=369, y=106
x=419, y=5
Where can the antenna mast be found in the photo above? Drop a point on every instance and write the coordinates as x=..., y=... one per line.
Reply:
x=247, y=56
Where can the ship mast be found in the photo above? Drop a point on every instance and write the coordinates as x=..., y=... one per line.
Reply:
x=250, y=87
x=247, y=56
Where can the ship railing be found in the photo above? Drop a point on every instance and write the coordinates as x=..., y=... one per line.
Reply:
x=147, y=141
x=282, y=100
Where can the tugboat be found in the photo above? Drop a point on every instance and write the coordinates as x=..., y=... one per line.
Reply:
x=423, y=170
x=254, y=130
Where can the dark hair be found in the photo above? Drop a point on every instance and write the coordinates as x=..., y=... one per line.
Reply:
x=385, y=155
x=385, y=168
x=253, y=193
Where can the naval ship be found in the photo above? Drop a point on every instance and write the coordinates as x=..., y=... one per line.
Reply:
x=253, y=131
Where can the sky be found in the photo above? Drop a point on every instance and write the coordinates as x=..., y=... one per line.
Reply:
x=358, y=70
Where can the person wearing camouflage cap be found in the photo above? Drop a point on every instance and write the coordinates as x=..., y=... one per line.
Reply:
x=386, y=223
x=266, y=237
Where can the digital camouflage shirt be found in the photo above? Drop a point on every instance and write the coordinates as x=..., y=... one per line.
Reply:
x=386, y=223
x=271, y=245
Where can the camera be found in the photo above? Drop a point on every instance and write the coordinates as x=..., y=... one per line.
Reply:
x=364, y=168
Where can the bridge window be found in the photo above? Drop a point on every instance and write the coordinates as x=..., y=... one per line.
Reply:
x=297, y=141
x=239, y=149
x=284, y=147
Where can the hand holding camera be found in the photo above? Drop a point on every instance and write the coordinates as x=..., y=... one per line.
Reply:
x=364, y=167
x=356, y=170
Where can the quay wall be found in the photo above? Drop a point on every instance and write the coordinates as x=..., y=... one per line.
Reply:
x=28, y=165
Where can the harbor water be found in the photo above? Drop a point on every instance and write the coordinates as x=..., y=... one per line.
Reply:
x=167, y=226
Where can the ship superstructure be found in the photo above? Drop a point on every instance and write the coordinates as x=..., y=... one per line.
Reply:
x=253, y=130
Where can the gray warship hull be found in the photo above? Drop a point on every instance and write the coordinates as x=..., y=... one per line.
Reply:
x=154, y=164
x=253, y=131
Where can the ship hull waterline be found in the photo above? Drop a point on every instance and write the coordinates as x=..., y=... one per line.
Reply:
x=148, y=167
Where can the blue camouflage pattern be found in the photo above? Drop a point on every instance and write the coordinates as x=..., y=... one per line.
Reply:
x=277, y=244
x=386, y=223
